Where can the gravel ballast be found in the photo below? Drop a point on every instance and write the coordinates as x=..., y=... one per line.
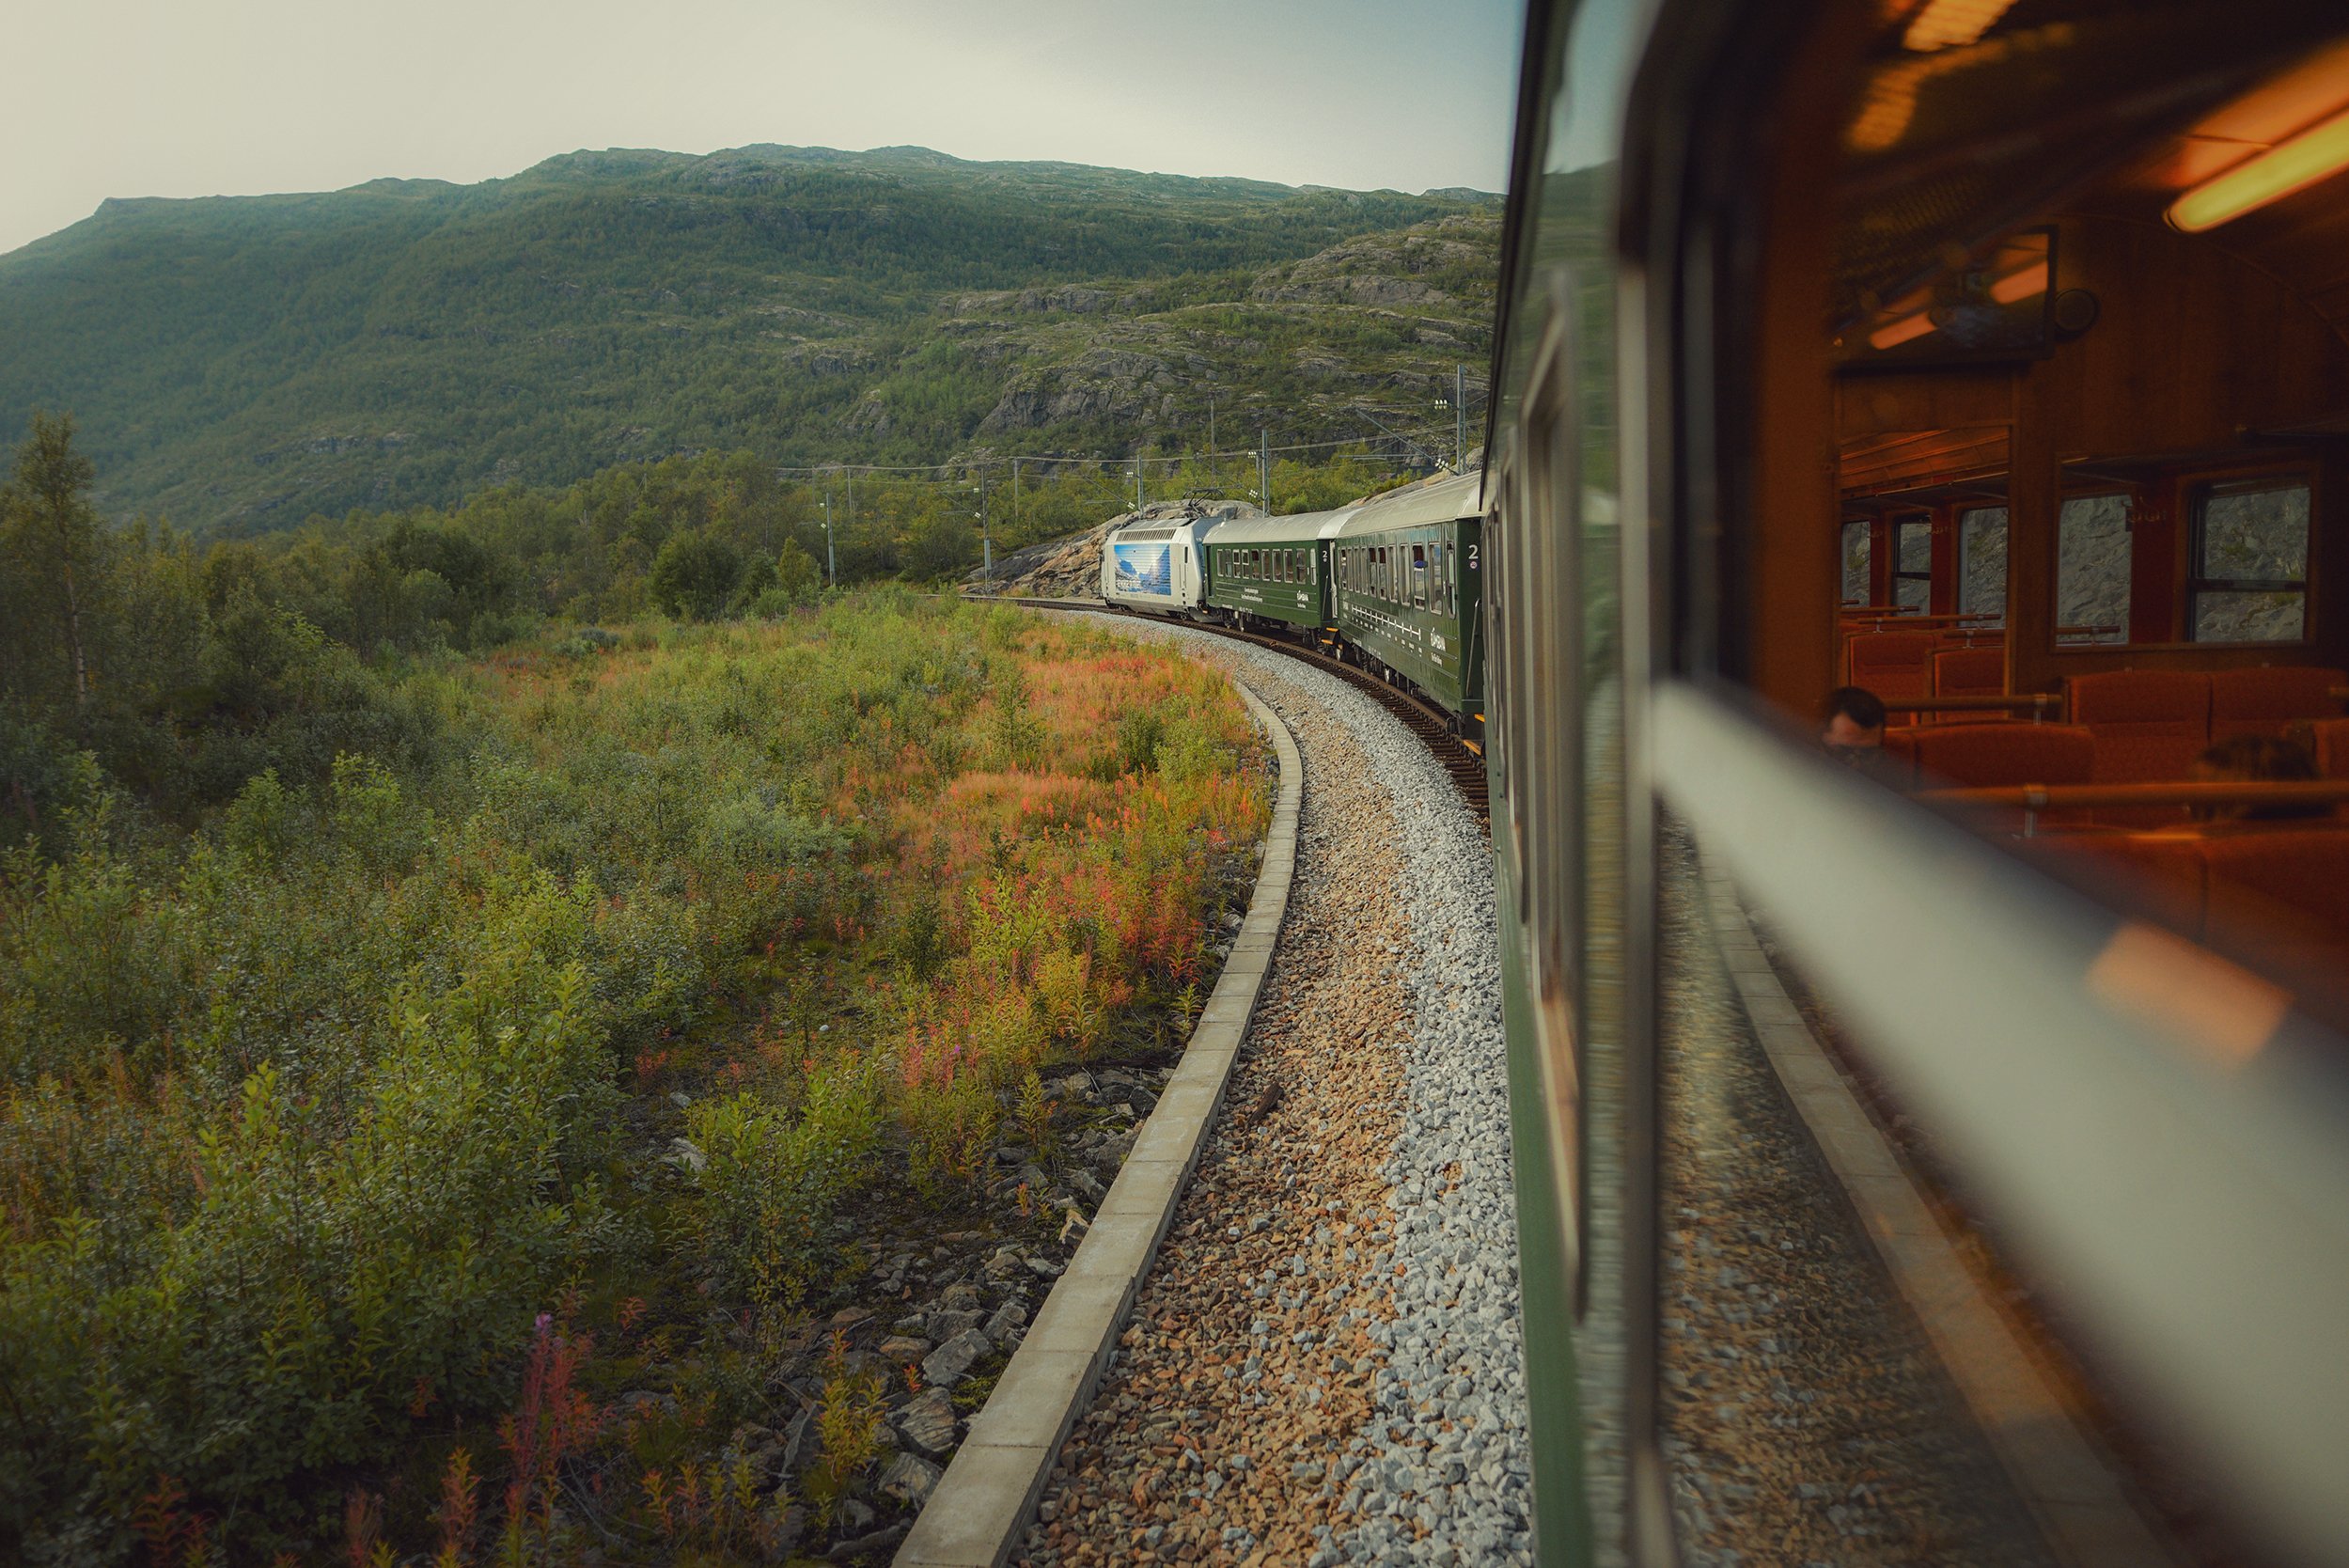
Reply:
x=1323, y=1365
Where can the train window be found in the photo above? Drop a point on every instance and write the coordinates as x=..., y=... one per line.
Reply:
x=2250, y=562
x=1982, y=563
x=1419, y=576
x=2093, y=560
x=1858, y=588
x=2110, y=435
x=1912, y=574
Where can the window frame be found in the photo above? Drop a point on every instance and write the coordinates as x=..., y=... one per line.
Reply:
x=2194, y=492
x=1896, y=524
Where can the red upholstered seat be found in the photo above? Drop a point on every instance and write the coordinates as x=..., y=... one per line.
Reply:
x=2163, y=871
x=2150, y=724
x=1969, y=672
x=2269, y=702
x=2330, y=738
x=2281, y=898
x=1893, y=665
x=1989, y=754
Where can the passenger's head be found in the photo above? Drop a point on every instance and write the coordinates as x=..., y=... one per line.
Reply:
x=1852, y=720
x=2258, y=760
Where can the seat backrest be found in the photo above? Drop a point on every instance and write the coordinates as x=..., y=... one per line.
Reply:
x=2148, y=724
x=2268, y=701
x=1984, y=756
x=2282, y=896
x=1893, y=665
x=1969, y=672
x=2163, y=870
x=2331, y=739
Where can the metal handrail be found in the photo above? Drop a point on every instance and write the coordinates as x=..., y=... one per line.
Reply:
x=2146, y=1124
x=2044, y=797
x=2040, y=703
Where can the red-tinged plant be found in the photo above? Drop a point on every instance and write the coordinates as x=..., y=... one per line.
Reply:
x=175, y=1536
x=362, y=1525
x=552, y=1422
x=459, y=1512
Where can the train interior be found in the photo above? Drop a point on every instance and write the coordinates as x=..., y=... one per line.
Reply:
x=2089, y=480
x=2048, y=455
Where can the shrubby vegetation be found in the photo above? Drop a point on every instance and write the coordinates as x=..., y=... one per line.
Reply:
x=403, y=1056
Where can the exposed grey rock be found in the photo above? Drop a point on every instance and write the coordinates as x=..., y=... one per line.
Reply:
x=928, y=1423
x=947, y=1365
x=945, y=1325
x=910, y=1479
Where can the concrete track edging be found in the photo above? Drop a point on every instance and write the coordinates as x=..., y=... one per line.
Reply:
x=986, y=1498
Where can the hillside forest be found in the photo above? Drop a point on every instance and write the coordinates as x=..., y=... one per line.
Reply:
x=457, y=1056
x=240, y=365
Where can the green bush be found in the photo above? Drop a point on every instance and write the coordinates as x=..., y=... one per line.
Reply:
x=765, y=1181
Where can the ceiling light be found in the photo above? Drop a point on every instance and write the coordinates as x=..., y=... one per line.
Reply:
x=2293, y=165
x=1947, y=23
x=1907, y=329
x=2021, y=285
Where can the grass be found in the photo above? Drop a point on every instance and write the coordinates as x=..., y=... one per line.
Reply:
x=360, y=1148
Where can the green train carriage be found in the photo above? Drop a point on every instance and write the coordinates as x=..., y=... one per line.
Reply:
x=1406, y=579
x=1275, y=569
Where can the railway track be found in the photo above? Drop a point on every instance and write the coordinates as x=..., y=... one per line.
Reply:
x=1461, y=758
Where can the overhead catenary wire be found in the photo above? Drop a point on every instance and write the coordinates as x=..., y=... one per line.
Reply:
x=1409, y=436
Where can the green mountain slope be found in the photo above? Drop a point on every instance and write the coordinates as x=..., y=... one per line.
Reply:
x=239, y=363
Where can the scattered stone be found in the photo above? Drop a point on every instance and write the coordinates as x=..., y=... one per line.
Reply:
x=947, y=1365
x=928, y=1423
x=910, y=1479
x=946, y=1324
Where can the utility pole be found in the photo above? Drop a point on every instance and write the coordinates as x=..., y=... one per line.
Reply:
x=1460, y=417
x=831, y=561
x=1137, y=479
x=1015, y=496
x=986, y=545
x=1264, y=468
x=1213, y=478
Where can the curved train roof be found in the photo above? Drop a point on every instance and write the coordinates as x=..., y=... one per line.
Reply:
x=1444, y=500
x=1297, y=527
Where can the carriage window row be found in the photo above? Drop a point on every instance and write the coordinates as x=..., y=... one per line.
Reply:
x=1269, y=566
x=1417, y=575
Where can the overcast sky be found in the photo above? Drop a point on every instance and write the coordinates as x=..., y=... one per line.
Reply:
x=236, y=97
